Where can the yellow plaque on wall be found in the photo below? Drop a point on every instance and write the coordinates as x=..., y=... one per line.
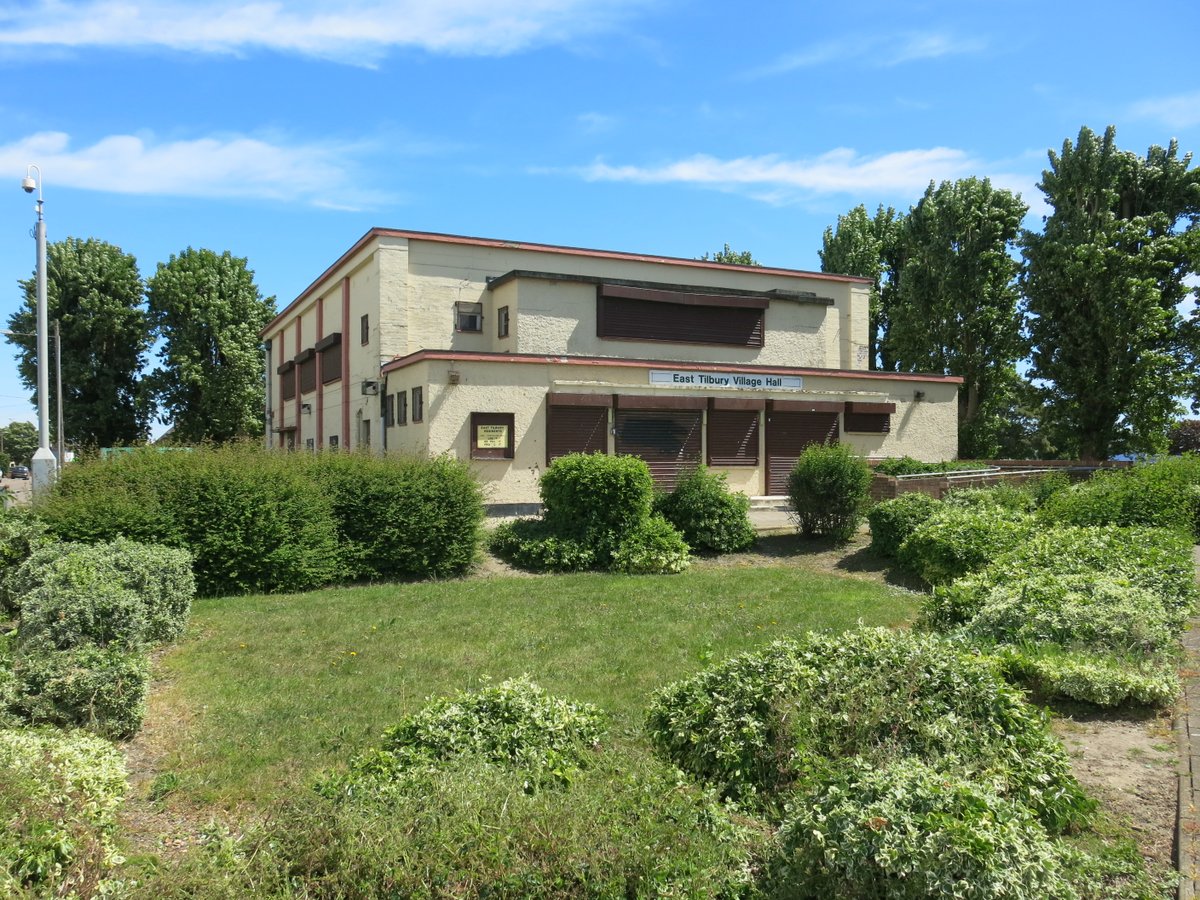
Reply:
x=491, y=437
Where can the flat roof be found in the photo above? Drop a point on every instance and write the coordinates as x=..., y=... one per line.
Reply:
x=436, y=237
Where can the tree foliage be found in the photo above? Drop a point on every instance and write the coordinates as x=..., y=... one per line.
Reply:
x=20, y=440
x=732, y=257
x=95, y=292
x=957, y=307
x=208, y=313
x=869, y=248
x=1104, y=281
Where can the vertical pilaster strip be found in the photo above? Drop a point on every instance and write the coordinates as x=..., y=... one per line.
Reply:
x=320, y=401
x=347, y=343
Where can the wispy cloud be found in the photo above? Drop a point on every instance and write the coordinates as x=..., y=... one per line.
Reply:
x=776, y=179
x=351, y=31
x=596, y=123
x=226, y=166
x=880, y=50
x=1179, y=111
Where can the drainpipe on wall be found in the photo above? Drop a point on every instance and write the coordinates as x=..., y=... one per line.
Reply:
x=383, y=429
x=268, y=413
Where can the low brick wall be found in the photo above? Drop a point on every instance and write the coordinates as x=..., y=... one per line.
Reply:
x=1012, y=471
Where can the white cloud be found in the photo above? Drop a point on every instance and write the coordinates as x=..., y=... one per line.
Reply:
x=881, y=50
x=227, y=166
x=1180, y=111
x=775, y=179
x=351, y=31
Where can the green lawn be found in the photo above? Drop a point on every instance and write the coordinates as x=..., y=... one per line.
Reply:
x=264, y=691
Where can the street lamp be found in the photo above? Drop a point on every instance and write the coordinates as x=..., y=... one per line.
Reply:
x=43, y=467
x=58, y=431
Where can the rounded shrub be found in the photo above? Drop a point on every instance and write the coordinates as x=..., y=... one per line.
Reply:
x=829, y=489
x=119, y=593
x=957, y=540
x=654, y=547
x=100, y=689
x=597, y=499
x=20, y=535
x=908, y=830
x=763, y=725
x=530, y=544
x=894, y=520
x=708, y=515
x=400, y=517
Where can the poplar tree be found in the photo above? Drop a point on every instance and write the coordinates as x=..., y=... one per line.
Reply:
x=1104, y=282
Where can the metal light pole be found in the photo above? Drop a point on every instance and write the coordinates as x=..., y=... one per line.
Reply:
x=44, y=465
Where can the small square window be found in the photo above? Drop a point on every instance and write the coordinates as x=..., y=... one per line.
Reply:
x=418, y=404
x=364, y=329
x=502, y=322
x=333, y=442
x=468, y=316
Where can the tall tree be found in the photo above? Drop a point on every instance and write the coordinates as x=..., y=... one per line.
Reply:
x=95, y=292
x=208, y=313
x=869, y=248
x=1103, y=283
x=19, y=440
x=957, y=309
x=732, y=257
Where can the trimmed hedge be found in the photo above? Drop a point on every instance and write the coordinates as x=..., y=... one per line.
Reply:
x=654, y=547
x=59, y=795
x=1164, y=494
x=596, y=499
x=829, y=489
x=957, y=540
x=259, y=522
x=710, y=517
x=907, y=465
x=763, y=725
x=122, y=594
x=21, y=534
x=100, y=689
x=892, y=521
x=402, y=518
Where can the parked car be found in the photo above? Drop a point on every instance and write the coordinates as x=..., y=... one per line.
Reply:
x=18, y=472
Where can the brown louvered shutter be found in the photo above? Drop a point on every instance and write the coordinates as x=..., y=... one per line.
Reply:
x=575, y=429
x=733, y=437
x=788, y=433
x=669, y=440
x=642, y=320
x=868, y=423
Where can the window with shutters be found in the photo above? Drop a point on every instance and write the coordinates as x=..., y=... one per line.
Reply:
x=575, y=429
x=492, y=435
x=733, y=437
x=306, y=363
x=330, y=348
x=868, y=418
x=287, y=380
x=640, y=314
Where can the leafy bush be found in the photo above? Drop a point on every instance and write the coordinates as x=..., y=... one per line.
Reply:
x=996, y=496
x=100, y=689
x=829, y=489
x=596, y=499
x=708, y=515
x=894, y=520
x=1154, y=559
x=1045, y=486
x=906, y=465
x=1164, y=495
x=121, y=593
x=1184, y=437
x=402, y=517
x=623, y=827
x=654, y=547
x=957, y=540
x=530, y=544
x=253, y=521
x=909, y=830
x=1100, y=678
x=59, y=794
x=764, y=724
x=20, y=535
x=514, y=724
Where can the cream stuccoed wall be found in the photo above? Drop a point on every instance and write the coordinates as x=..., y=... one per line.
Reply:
x=925, y=429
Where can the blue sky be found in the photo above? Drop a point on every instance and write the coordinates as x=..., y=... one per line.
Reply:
x=282, y=131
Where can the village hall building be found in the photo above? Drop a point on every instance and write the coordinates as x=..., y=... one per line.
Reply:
x=508, y=355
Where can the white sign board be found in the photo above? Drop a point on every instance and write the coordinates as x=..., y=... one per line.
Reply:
x=682, y=378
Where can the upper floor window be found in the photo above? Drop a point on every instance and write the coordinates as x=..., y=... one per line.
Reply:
x=502, y=322
x=306, y=362
x=330, y=348
x=364, y=330
x=468, y=316
x=287, y=380
x=418, y=404
x=646, y=314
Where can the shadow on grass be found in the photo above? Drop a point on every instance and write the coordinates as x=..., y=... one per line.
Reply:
x=854, y=557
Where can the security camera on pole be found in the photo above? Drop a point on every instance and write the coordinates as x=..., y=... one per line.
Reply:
x=45, y=466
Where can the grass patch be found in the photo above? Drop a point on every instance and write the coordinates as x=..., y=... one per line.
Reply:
x=276, y=688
